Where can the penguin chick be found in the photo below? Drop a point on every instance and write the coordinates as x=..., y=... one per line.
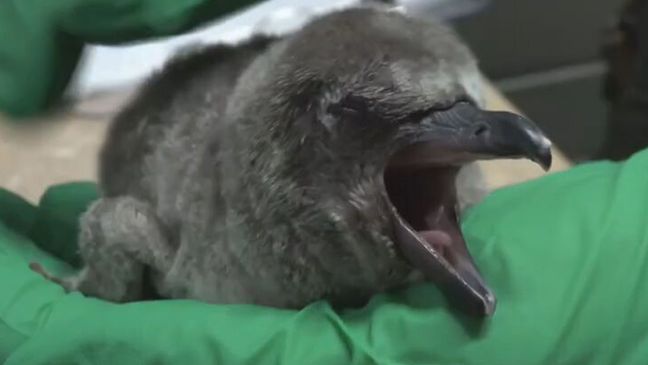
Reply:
x=279, y=172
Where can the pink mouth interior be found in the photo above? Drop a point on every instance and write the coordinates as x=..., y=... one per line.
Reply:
x=425, y=198
x=426, y=227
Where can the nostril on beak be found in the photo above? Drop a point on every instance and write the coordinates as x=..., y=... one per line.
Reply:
x=479, y=130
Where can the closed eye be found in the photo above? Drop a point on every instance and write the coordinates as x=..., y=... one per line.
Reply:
x=352, y=107
x=419, y=115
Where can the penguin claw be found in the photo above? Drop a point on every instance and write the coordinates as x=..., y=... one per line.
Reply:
x=39, y=269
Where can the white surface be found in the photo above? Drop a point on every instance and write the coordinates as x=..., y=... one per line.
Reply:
x=104, y=68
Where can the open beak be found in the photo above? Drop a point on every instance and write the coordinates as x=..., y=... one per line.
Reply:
x=420, y=185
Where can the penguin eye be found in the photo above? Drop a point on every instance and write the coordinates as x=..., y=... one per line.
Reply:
x=347, y=112
x=350, y=107
x=417, y=116
x=356, y=109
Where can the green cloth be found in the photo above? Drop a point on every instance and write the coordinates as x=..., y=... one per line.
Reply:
x=567, y=256
x=41, y=40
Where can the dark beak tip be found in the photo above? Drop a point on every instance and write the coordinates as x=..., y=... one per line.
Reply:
x=545, y=158
x=541, y=152
x=480, y=304
x=484, y=300
x=490, y=303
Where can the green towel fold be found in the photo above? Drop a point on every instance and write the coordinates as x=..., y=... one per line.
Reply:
x=567, y=256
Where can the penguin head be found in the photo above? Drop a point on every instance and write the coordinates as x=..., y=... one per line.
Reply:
x=365, y=117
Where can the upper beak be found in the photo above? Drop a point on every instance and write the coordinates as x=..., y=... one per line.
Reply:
x=465, y=133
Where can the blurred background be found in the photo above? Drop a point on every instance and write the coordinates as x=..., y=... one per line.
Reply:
x=547, y=57
x=551, y=58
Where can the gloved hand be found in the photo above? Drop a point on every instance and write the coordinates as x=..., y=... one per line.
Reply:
x=567, y=256
x=41, y=41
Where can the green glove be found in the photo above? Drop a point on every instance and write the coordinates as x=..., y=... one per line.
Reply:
x=567, y=256
x=41, y=41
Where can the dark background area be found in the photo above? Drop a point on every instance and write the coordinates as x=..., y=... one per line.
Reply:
x=546, y=57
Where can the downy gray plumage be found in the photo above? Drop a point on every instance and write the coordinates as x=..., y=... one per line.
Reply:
x=329, y=164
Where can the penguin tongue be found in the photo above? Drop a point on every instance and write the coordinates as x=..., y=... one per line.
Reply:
x=439, y=240
x=427, y=232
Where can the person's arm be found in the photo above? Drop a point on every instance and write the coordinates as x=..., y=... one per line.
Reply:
x=41, y=41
